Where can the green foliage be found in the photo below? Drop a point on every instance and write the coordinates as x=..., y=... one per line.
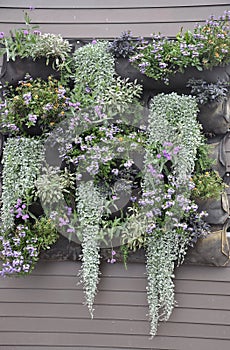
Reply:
x=33, y=102
x=123, y=46
x=53, y=47
x=95, y=81
x=52, y=184
x=203, y=160
x=119, y=95
x=208, y=92
x=21, y=245
x=22, y=159
x=207, y=185
x=30, y=42
x=205, y=47
x=173, y=119
x=46, y=231
x=93, y=73
x=90, y=210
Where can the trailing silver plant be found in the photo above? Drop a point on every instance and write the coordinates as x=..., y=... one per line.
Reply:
x=174, y=118
x=90, y=207
x=22, y=159
x=93, y=72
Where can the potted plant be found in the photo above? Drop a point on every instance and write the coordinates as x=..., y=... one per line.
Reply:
x=209, y=194
x=27, y=50
x=164, y=64
x=214, y=105
x=33, y=107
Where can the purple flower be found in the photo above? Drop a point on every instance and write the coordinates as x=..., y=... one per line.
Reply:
x=37, y=32
x=70, y=230
x=176, y=150
x=94, y=42
x=111, y=261
x=69, y=211
x=25, y=32
x=48, y=107
x=151, y=169
x=128, y=163
x=1, y=35
x=19, y=202
x=163, y=65
x=166, y=155
x=115, y=171
x=63, y=222
x=32, y=118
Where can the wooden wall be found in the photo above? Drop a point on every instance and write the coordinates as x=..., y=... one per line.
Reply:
x=107, y=19
x=45, y=310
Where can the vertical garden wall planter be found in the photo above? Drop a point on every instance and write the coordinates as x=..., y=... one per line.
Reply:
x=154, y=207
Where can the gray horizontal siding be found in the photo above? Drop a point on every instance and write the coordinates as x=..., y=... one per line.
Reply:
x=46, y=311
x=101, y=19
x=107, y=4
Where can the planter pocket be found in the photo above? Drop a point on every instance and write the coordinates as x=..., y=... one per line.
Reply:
x=215, y=117
x=213, y=249
x=217, y=209
x=14, y=71
x=220, y=153
x=177, y=82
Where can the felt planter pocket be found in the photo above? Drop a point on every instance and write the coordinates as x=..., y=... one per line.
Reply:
x=212, y=249
x=177, y=82
x=14, y=71
x=215, y=117
x=220, y=153
x=217, y=209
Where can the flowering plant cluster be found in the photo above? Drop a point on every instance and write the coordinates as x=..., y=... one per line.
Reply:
x=34, y=103
x=205, y=47
x=207, y=185
x=21, y=245
x=23, y=235
x=159, y=212
x=30, y=42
